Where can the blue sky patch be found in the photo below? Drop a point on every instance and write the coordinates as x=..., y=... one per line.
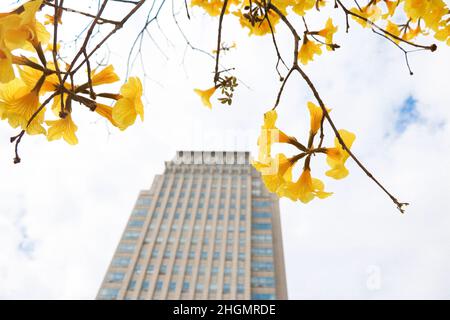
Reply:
x=407, y=115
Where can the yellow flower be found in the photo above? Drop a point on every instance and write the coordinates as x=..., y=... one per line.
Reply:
x=206, y=95
x=31, y=76
x=50, y=47
x=276, y=172
x=443, y=34
x=372, y=13
x=49, y=19
x=305, y=189
x=27, y=30
x=19, y=104
x=258, y=28
x=129, y=105
x=6, y=68
x=393, y=29
x=301, y=6
x=213, y=7
x=316, y=115
x=62, y=128
x=337, y=156
x=106, y=112
x=105, y=76
x=269, y=134
x=308, y=50
x=412, y=33
x=391, y=6
x=431, y=11
x=328, y=33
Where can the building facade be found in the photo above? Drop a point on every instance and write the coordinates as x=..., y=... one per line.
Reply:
x=206, y=229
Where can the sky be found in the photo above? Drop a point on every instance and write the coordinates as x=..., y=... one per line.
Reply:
x=63, y=208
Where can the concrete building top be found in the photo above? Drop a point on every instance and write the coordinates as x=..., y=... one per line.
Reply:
x=212, y=157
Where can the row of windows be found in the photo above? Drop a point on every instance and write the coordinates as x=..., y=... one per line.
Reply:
x=261, y=214
x=203, y=255
x=262, y=251
x=264, y=237
x=199, y=216
x=265, y=282
x=137, y=224
x=262, y=226
x=119, y=276
x=109, y=293
x=263, y=296
x=261, y=204
x=182, y=194
x=185, y=286
x=262, y=266
x=211, y=205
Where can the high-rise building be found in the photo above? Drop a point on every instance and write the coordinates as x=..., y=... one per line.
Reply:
x=206, y=229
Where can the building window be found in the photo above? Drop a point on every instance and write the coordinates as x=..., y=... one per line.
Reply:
x=145, y=285
x=140, y=212
x=262, y=237
x=155, y=253
x=226, y=288
x=199, y=287
x=262, y=226
x=163, y=269
x=262, y=215
x=125, y=247
x=144, y=201
x=185, y=287
x=167, y=253
x=263, y=296
x=201, y=270
x=136, y=223
x=131, y=235
x=150, y=269
x=262, y=266
x=115, y=277
x=137, y=269
x=188, y=270
x=261, y=204
x=241, y=256
x=132, y=285
x=262, y=251
x=172, y=286
x=204, y=255
x=175, y=269
x=122, y=262
x=264, y=282
x=216, y=255
x=240, y=288
x=159, y=285
x=109, y=293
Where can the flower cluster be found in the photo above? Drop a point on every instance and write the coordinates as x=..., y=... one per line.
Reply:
x=398, y=20
x=29, y=83
x=276, y=171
